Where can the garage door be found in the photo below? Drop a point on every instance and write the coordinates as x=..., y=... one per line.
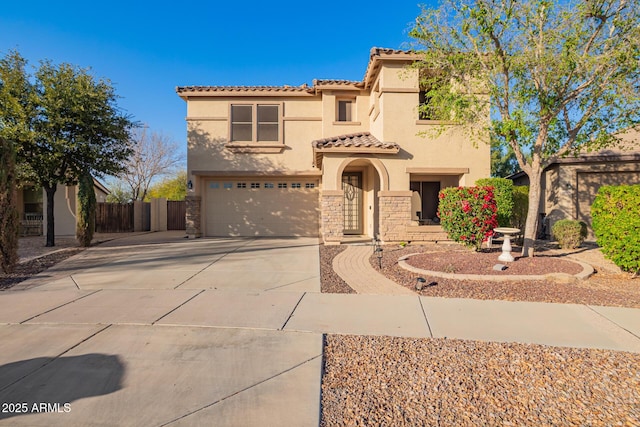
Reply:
x=590, y=182
x=262, y=208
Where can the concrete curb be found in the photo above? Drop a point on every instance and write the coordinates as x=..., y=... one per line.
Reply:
x=587, y=271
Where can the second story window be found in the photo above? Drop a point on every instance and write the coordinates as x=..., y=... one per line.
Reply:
x=423, y=109
x=345, y=110
x=255, y=123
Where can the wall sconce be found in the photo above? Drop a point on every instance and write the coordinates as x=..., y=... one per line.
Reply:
x=189, y=185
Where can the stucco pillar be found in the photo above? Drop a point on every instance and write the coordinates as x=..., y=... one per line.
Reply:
x=193, y=216
x=332, y=216
x=395, y=215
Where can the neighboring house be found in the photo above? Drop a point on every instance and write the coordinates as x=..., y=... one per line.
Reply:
x=570, y=184
x=32, y=208
x=335, y=159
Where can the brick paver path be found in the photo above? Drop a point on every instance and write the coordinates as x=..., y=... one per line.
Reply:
x=353, y=266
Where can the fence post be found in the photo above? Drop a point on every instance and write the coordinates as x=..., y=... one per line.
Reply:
x=159, y=214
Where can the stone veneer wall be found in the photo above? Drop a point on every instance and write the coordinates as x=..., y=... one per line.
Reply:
x=332, y=216
x=395, y=215
x=193, y=217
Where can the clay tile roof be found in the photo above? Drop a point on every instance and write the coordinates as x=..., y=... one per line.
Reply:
x=336, y=82
x=355, y=140
x=302, y=88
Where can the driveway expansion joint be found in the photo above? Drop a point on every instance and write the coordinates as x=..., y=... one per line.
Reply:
x=298, y=365
x=59, y=306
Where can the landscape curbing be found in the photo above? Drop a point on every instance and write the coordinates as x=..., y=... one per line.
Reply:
x=586, y=272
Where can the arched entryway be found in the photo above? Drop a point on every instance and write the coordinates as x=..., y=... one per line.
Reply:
x=361, y=179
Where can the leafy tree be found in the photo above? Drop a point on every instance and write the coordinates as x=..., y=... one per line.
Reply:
x=154, y=155
x=86, y=210
x=174, y=188
x=118, y=193
x=8, y=208
x=503, y=161
x=558, y=77
x=65, y=123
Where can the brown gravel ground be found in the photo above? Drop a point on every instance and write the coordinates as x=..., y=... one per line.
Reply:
x=389, y=381
x=35, y=258
x=606, y=287
x=330, y=282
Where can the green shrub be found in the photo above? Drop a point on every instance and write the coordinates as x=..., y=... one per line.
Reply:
x=9, y=222
x=520, y=206
x=503, y=192
x=569, y=233
x=86, y=215
x=468, y=214
x=615, y=217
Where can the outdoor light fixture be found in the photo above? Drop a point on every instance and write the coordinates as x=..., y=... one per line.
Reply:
x=420, y=281
x=189, y=185
x=379, y=255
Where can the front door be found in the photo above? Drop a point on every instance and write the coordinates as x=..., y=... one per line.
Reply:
x=352, y=187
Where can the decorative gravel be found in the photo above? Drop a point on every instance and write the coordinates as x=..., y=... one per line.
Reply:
x=330, y=282
x=387, y=381
x=27, y=269
x=603, y=288
x=470, y=262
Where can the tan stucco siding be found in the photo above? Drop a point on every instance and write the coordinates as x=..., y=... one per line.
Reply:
x=208, y=137
x=360, y=117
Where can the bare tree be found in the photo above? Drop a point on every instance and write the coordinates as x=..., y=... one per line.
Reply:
x=154, y=155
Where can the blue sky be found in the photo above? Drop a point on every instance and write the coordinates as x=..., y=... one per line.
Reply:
x=147, y=49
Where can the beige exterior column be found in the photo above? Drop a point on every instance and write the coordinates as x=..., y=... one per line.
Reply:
x=332, y=216
x=395, y=215
x=193, y=217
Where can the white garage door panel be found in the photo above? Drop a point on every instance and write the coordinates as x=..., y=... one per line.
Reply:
x=261, y=211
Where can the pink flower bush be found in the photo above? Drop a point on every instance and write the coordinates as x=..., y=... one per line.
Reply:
x=468, y=214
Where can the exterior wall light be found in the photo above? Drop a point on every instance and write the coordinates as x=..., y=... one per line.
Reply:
x=189, y=185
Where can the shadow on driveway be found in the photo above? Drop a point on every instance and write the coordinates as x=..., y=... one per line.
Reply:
x=48, y=384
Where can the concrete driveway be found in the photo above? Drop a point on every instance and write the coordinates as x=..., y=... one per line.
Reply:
x=156, y=330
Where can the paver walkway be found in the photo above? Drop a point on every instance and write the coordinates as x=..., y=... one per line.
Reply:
x=352, y=265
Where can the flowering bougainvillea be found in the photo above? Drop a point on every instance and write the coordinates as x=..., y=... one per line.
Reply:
x=468, y=214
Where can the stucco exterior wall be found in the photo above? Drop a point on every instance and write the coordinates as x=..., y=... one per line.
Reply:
x=385, y=104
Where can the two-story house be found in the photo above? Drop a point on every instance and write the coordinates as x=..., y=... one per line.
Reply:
x=334, y=159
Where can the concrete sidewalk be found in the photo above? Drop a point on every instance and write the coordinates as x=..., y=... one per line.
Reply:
x=187, y=333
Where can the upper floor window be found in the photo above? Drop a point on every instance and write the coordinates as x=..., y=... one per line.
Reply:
x=255, y=123
x=345, y=110
x=423, y=110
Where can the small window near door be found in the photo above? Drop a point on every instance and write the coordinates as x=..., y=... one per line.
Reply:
x=345, y=110
x=428, y=191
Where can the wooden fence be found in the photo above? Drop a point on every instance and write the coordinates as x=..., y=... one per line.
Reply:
x=114, y=217
x=119, y=217
x=176, y=213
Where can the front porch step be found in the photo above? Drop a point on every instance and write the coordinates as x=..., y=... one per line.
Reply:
x=427, y=233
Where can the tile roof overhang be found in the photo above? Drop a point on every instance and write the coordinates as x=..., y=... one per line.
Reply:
x=188, y=91
x=355, y=143
x=376, y=57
